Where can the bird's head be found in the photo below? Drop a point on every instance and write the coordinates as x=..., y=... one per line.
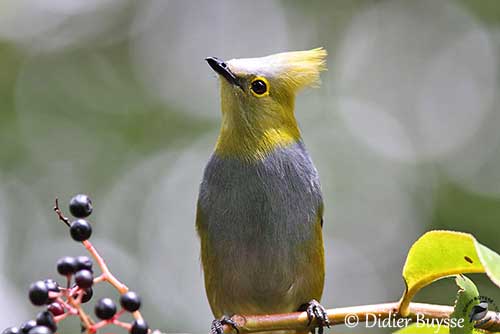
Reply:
x=257, y=98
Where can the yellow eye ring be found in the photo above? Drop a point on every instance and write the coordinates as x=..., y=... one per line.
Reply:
x=259, y=87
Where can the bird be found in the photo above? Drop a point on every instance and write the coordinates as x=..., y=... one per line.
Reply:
x=259, y=214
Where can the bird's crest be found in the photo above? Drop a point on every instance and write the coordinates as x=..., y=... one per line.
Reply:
x=297, y=69
x=257, y=100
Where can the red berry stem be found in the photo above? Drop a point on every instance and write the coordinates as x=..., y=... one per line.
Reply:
x=73, y=290
x=101, y=324
x=125, y=325
x=106, y=275
x=61, y=317
x=67, y=306
x=114, y=320
x=105, y=272
x=54, y=295
x=86, y=320
x=100, y=278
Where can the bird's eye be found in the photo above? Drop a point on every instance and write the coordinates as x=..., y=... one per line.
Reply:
x=259, y=87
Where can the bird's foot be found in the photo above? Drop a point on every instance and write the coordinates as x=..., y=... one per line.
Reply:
x=316, y=311
x=217, y=326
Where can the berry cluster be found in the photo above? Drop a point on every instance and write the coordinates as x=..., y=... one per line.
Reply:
x=63, y=301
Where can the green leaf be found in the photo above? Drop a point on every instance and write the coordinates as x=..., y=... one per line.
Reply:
x=429, y=329
x=467, y=298
x=460, y=318
x=417, y=328
x=439, y=254
x=491, y=262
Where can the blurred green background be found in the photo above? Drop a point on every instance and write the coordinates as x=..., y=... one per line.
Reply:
x=113, y=98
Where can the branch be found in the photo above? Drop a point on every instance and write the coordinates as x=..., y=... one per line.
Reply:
x=353, y=316
x=60, y=215
x=343, y=315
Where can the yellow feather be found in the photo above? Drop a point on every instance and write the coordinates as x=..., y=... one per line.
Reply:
x=301, y=68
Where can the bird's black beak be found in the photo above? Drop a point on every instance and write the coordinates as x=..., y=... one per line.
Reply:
x=221, y=68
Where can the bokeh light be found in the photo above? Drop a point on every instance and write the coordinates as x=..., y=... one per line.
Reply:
x=114, y=99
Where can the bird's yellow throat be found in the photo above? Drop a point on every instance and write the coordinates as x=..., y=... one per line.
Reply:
x=251, y=134
x=236, y=143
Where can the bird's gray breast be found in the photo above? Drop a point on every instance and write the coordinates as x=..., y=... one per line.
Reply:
x=257, y=215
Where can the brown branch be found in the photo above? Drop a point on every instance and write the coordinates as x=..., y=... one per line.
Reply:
x=354, y=316
x=60, y=215
x=298, y=320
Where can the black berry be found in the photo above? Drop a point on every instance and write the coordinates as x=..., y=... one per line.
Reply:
x=130, y=301
x=52, y=285
x=11, y=330
x=139, y=327
x=38, y=293
x=84, y=278
x=40, y=330
x=27, y=326
x=66, y=266
x=87, y=295
x=80, y=230
x=105, y=309
x=80, y=206
x=83, y=262
x=45, y=318
x=55, y=308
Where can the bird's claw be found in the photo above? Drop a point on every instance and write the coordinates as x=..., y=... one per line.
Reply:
x=217, y=326
x=316, y=311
